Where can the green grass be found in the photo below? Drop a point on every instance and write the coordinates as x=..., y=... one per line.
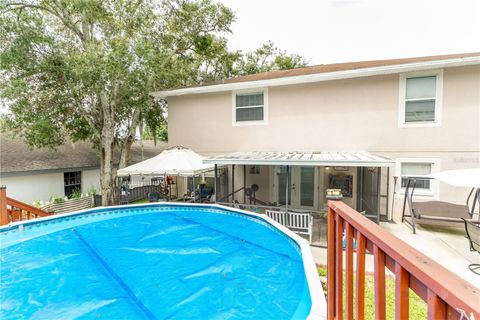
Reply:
x=140, y=201
x=418, y=308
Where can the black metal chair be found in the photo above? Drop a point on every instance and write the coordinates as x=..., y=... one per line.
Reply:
x=153, y=196
x=473, y=235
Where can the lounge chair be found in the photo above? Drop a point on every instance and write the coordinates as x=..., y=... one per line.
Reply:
x=473, y=235
x=437, y=213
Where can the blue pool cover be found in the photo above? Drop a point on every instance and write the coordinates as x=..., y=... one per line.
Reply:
x=152, y=263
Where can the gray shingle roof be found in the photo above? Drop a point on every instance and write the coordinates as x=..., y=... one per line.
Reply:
x=16, y=156
x=323, y=68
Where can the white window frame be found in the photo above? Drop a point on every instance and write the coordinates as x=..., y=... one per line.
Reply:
x=438, y=99
x=265, y=107
x=430, y=194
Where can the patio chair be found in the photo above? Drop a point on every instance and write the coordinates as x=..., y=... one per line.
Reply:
x=153, y=196
x=237, y=205
x=278, y=216
x=473, y=235
x=299, y=221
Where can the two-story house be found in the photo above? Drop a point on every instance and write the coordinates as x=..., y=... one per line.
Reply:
x=361, y=127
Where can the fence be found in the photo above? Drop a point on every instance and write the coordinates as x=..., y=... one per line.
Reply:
x=137, y=193
x=447, y=295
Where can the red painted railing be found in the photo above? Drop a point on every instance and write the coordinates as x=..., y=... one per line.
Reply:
x=12, y=210
x=447, y=295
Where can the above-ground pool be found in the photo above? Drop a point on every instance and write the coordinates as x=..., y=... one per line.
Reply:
x=156, y=262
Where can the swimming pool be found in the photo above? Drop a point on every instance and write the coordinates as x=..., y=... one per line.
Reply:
x=157, y=261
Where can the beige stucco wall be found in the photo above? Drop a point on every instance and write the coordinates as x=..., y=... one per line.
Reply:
x=342, y=115
x=353, y=114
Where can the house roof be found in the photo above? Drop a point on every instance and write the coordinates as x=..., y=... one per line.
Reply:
x=350, y=159
x=325, y=72
x=17, y=157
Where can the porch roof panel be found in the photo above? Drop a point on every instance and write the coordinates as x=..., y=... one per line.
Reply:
x=293, y=158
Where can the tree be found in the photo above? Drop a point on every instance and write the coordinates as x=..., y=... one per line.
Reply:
x=83, y=68
x=268, y=58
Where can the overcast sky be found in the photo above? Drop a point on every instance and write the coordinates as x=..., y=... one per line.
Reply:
x=327, y=31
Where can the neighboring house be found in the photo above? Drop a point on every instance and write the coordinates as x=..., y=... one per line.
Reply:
x=353, y=126
x=38, y=174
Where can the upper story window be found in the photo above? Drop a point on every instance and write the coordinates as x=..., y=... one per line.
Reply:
x=249, y=107
x=420, y=99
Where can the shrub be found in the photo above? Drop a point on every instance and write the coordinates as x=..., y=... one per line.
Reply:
x=37, y=203
x=76, y=194
x=55, y=199
x=92, y=191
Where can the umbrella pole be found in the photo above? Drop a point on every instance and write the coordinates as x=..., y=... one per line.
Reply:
x=165, y=180
x=395, y=178
x=194, y=190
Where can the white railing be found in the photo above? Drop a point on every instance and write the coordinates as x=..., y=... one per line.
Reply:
x=299, y=222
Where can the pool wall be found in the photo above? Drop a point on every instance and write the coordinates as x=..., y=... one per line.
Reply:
x=319, y=305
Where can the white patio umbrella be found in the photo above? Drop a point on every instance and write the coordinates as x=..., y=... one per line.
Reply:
x=173, y=161
x=469, y=178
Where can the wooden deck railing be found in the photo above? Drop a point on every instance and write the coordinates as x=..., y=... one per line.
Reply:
x=12, y=210
x=447, y=295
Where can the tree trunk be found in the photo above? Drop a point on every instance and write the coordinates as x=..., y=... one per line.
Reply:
x=125, y=156
x=107, y=179
x=129, y=140
x=107, y=182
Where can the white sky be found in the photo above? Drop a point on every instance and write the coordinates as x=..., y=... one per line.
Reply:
x=328, y=31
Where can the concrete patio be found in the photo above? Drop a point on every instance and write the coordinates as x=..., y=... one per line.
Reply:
x=449, y=247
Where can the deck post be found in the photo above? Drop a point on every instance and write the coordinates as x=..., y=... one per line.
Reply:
x=233, y=183
x=379, y=191
x=331, y=264
x=3, y=206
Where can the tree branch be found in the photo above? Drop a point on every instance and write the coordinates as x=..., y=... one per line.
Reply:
x=69, y=24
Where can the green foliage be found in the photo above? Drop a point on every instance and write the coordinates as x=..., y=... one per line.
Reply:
x=37, y=203
x=57, y=200
x=68, y=64
x=76, y=194
x=91, y=191
x=161, y=133
x=268, y=58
